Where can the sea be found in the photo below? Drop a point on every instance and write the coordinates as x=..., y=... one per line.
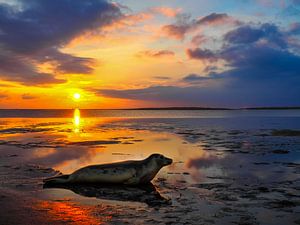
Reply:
x=229, y=166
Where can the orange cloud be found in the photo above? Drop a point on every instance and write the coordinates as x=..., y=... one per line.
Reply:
x=155, y=54
x=167, y=11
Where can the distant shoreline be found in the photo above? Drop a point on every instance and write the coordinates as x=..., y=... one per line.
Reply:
x=204, y=108
x=176, y=108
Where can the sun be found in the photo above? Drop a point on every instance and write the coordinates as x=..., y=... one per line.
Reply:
x=76, y=96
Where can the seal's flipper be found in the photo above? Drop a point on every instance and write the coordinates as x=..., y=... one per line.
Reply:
x=57, y=180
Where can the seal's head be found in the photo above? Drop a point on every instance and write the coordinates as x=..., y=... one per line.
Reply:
x=160, y=159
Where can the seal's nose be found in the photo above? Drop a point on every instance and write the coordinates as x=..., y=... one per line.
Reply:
x=169, y=161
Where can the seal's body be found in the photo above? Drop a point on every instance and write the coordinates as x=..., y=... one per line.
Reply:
x=127, y=172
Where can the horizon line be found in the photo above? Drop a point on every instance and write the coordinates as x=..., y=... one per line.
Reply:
x=167, y=108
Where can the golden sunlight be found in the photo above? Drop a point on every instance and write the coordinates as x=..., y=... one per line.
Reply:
x=76, y=120
x=76, y=96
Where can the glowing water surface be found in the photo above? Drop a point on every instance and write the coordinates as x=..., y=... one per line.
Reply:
x=229, y=150
x=68, y=144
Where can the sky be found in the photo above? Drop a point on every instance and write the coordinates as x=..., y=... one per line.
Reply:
x=129, y=54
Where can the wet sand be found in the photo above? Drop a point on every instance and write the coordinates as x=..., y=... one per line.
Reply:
x=225, y=171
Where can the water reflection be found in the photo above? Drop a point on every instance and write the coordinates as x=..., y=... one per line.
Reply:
x=144, y=194
x=240, y=168
x=62, y=145
x=73, y=213
x=76, y=120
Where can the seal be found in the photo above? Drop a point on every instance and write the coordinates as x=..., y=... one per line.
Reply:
x=131, y=172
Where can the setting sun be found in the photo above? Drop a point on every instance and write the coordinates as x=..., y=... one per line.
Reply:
x=123, y=111
x=76, y=96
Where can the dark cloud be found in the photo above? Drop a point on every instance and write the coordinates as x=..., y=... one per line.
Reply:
x=254, y=52
x=213, y=18
x=34, y=31
x=248, y=34
x=294, y=29
x=20, y=69
x=42, y=24
x=241, y=39
x=66, y=63
x=203, y=54
x=245, y=34
x=192, y=78
x=175, y=31
x=183, y=96
x=262, y=70
x=261, y=62
x=237, y=94
x=174, y=95
x=266, y=55
x=185, y=24
x=155, y=54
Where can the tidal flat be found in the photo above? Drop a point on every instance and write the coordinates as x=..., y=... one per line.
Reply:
x=240, y=167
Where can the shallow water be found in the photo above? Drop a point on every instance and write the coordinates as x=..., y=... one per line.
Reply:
x=228, y=167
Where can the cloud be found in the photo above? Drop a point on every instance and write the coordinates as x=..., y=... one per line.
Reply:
x=210, y=69
x=162, y=77
x=153, y=93
x=194, y=78
x=184, y=24
x=176, y=95
x=213, y=18
x=3, y=96
x=261, y=69
x=254, y=52
x=167, y=11
x=199, y=39
x=20, y=69
x=241, y=37
x=66, y=63
x=180, y=28
x=156, y=54
x=42, y=24
x=241, y=93
x=248, y=34
x=294, y=29
x=133, y=19
x=203, y=54
x=33, y=31
x=27, y=96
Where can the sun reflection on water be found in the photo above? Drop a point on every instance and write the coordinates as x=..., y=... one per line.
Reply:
x=76, y=214
x=76, y=120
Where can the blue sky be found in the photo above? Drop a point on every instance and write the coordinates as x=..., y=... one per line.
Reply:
x=150, y=53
